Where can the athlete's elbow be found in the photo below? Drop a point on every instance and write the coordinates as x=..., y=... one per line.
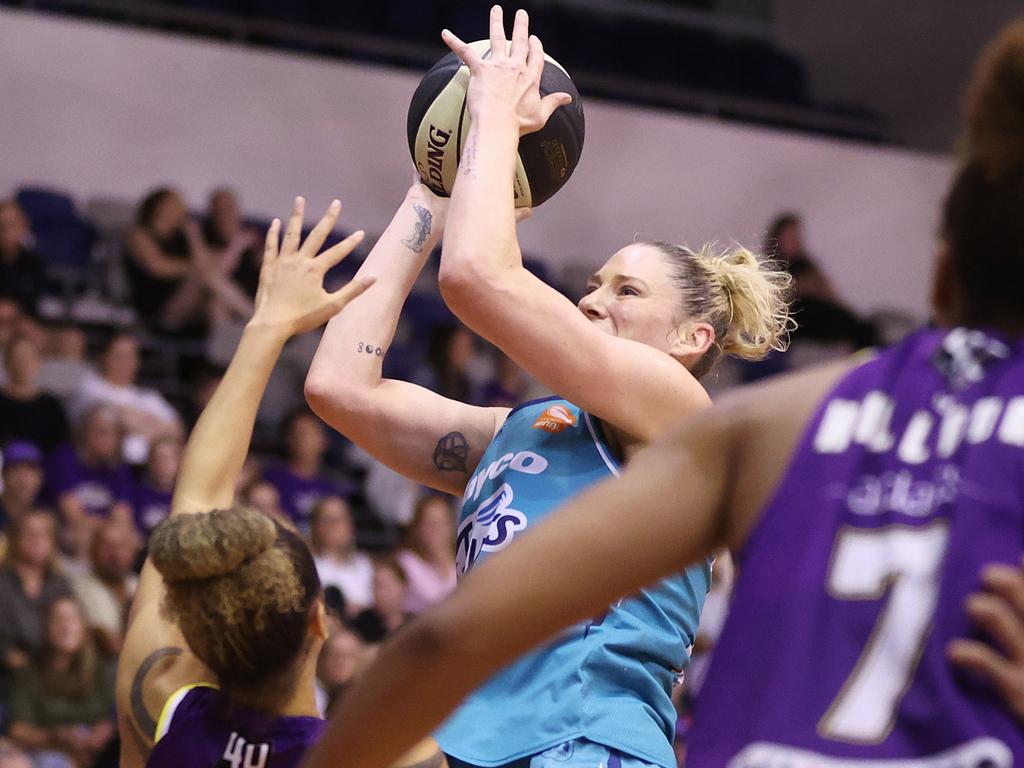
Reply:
x=330, y=399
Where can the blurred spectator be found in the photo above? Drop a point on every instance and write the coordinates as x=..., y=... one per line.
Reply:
x=340, y=658
x=105, y=588
x=163, y=256
x=153, y=492
x=64, y=365
x=235, y=254
x=12, y=756
x=301, y=480
x=63, y=702
x=22, y=480
x=338, y=562
x=390, y=585
x=712, y=620
x=391, y=495
x=10, y=314
x=26, y=412
x=145, y=414
x=428, y=555
x=450, y=365
x=508, y=387
x=29, y=580
x=87, y=481
x=263, y=496
x=22, y=270
x=819, y=312
x=202, y=385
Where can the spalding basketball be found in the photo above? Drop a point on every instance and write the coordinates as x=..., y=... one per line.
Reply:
x=439, y=124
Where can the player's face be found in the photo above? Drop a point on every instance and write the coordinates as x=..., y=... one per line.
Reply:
x=633, y=296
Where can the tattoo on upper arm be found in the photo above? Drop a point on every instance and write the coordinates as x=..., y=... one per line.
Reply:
x=370, y=349
x=452, y=453
x=142, y=719
x=421, y=231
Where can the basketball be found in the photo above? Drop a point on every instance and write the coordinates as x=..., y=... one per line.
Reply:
x=438, y=124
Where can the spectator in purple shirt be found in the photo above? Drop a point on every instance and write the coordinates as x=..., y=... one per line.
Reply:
x=22, y=481
x=152, y=501
x=301, y=481
x=87, y=481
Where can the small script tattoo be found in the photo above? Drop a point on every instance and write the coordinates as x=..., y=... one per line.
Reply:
x=369, y=349
x=421, y=230
x=452, y=453
x=468, y=164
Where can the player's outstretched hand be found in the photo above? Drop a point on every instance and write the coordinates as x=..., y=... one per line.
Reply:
x=508, y=79
x=291, y=297
x=999, y=610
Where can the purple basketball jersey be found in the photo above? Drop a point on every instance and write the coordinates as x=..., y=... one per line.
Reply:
x=202, y=728
x=907, y=482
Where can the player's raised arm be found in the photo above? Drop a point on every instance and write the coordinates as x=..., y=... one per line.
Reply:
x=482, y=277
x=419, y=433
x=290, y=300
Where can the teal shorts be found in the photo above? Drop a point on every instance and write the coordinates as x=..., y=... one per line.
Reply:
x=578, y=753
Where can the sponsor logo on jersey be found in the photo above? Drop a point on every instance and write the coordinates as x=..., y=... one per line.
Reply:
x=527, y=462
x=555, y=419
x=489, y=528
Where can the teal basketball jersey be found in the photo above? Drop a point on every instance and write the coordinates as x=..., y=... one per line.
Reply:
x=608, y=680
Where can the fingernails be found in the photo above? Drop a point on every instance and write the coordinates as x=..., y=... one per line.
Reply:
x=446, y=33
x=495, y=9
x=335, y=206
x=275, y=224
x=998, y=572
x=299, y=202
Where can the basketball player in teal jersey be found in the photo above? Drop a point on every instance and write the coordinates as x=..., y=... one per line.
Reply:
x=623, y=364
x=876, y=507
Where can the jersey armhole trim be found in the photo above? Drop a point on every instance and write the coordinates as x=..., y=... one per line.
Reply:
x=163, y=724
x=602, y=448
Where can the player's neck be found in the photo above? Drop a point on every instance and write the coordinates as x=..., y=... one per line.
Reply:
x=302, y=702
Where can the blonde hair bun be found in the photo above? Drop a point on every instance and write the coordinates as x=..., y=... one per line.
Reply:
x=757, y=293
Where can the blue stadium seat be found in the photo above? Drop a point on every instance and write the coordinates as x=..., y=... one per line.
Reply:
x=62, y=236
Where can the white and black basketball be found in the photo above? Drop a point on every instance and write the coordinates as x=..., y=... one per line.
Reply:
x=439, y=124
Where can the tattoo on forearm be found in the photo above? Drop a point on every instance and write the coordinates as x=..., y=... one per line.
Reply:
x=452, y=453
x=421, y=230
x=142, y=719
x=370, y=349
x=468, y=163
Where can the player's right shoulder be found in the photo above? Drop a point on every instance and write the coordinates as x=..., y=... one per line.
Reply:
x=145, y=688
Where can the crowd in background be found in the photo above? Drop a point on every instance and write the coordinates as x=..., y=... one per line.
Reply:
x=93, y=416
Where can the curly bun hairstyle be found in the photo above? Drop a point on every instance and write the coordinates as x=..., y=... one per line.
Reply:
x=745, y=300
x=241, y=588
x=982, y=220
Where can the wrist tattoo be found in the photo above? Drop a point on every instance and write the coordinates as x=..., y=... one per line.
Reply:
x=452, y=453
x=468, y=164
x=370, y=349
x=421, y=230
